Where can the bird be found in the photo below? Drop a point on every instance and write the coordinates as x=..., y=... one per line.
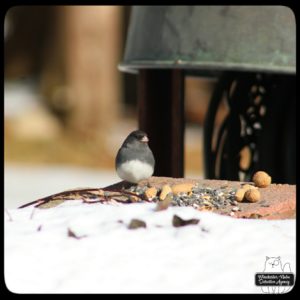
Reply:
x=135, y=161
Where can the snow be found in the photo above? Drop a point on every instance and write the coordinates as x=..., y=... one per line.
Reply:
x=218, y=255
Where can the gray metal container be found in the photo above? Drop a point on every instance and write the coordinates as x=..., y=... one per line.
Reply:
x=250, y=38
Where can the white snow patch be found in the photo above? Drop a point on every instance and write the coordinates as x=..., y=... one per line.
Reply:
x=218, y=255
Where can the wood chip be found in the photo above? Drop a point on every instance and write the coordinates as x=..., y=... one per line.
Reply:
x=182, y=188
x=150, y=193
x=166, y=189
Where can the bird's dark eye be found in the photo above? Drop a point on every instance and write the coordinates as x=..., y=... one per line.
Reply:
x=140, y=135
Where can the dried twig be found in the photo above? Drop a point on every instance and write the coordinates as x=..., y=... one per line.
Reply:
x=89, y=195
x=61, y=195
x=162, y=205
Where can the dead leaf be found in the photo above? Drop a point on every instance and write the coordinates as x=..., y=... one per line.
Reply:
x=73, y=235
x=136, y=223
x=178, y=222
x=162, y=205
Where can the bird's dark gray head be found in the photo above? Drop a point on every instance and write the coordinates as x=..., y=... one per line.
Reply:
x=137, y=136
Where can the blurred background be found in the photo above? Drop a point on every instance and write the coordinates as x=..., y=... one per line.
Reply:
x=67, y=106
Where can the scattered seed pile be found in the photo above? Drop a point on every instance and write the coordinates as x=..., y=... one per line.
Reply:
x=197, y=196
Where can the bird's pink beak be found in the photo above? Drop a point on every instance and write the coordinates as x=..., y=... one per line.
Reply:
x=145, y=139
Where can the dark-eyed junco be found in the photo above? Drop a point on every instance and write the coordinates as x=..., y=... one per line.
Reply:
x=135, y=160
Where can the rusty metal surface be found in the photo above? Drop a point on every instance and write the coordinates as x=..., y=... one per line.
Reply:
x=252, y=38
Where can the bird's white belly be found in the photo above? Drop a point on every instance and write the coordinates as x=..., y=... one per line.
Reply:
x=134, y=171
